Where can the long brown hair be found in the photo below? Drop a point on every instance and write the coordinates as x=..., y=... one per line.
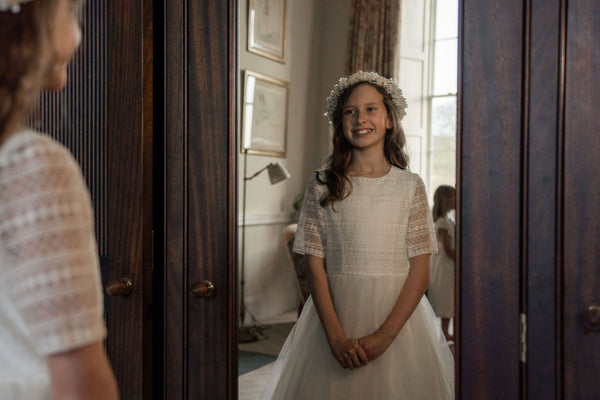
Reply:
x=338, y=184
x=24, y=60
x=440, y=201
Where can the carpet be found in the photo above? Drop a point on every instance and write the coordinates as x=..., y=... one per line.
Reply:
x=250, y=361
x=251, y=385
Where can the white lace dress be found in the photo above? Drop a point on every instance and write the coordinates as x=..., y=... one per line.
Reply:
x=366, y=243
x=50, y=293
x=441, y=281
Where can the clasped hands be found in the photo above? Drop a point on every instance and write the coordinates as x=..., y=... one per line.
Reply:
x=355, y=353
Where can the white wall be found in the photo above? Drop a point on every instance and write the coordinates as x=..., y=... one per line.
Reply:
x=334, y=21
x=270, y=289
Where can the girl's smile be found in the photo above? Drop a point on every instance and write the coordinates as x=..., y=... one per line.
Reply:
x=361, y=132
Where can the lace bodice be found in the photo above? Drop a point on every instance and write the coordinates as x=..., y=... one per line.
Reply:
x=50, y=294
x=374, y=231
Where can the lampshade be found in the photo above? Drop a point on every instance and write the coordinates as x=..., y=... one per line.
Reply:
x=277, y=173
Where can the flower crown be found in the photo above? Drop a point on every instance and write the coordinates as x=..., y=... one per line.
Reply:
x=390, y=87
x=14, y=6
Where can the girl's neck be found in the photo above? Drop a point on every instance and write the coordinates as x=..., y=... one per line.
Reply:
x=370, y=165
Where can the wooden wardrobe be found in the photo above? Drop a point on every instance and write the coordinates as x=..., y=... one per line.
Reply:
x=150, y=113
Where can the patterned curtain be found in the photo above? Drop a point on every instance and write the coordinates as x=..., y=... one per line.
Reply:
x=374, y=37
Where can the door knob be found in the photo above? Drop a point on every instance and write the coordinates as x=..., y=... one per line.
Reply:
x=117, y=287
x=591, y=319
x=203, y=289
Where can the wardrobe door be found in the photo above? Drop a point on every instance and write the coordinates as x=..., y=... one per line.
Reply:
x=529, y=322
x=104, y=117
x=489, y=198
x=581, y=196
x=199, y=200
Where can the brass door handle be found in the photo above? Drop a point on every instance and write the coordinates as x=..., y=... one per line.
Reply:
x=203, y=289
x=591, y=319
x=117, y=287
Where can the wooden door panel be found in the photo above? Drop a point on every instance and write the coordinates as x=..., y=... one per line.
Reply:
x=211, y=190
x=127, y=228
x=489, y=155
x=199, y=234
x=581, y=349
x=545, y=93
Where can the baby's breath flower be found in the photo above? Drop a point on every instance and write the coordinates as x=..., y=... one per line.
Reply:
x=390, y=87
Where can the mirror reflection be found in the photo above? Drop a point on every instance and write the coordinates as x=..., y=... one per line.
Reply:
x=314, y=39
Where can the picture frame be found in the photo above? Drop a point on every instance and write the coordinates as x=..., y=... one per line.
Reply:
x=264, y=115
x=266, y=28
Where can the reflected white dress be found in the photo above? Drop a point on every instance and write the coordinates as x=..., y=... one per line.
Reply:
x=366, y=243
x=441, y=281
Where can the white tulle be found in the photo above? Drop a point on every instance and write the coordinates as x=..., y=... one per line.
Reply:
x=417, y=365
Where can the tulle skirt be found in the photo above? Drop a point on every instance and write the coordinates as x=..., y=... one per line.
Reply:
x=418, y=365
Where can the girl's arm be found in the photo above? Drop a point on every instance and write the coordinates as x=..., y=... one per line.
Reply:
x=348, y=352
x=408, y=299
x=446, y=242
x=82, y=373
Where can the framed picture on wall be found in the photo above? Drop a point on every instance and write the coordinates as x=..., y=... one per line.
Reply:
x=264, y=115
x=266, y=28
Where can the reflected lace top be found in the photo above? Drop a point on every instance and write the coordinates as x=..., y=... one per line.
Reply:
x=50, y=289
x=374, y=231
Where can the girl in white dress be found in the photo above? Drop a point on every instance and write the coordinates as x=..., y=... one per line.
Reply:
x=441, y=284
x=51, y=313
x=367, y=331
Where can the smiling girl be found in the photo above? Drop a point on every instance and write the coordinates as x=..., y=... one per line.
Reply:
x=366, y=233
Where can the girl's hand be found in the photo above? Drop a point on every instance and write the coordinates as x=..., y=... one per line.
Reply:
x=375, y=344
x=349, y=353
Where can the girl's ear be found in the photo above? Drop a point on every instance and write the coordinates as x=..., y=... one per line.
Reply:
x=388, y=123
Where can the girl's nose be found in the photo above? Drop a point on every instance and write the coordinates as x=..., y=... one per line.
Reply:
x=360, y=117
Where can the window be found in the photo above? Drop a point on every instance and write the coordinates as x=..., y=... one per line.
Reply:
x=443, y=94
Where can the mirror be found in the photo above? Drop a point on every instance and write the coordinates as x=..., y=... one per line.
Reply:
x=315, y=36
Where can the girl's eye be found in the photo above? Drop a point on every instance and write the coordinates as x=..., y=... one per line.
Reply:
x=349, y=112
x=371, y=109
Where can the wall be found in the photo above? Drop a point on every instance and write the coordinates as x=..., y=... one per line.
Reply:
x=270, y=288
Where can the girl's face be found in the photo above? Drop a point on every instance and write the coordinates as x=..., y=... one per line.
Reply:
x=64, y=39
x=365, y=119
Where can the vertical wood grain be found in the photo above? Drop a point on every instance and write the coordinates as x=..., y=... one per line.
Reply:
x=175, y=136
x=490, y=197
x=542, y=172
x=581, y=349
x=211, y=141
x=199, y=199
x=127, y=223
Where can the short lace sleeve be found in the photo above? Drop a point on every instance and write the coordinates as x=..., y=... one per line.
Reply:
x=48, y=254
x=420, y=238
x=310, y=235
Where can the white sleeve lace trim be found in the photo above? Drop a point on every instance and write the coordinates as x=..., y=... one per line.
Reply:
x=48, y=250
x=310, y=235
x=420, y=238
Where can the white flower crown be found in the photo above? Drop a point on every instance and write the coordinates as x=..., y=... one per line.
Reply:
x=14, y=6
x=390, y=87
